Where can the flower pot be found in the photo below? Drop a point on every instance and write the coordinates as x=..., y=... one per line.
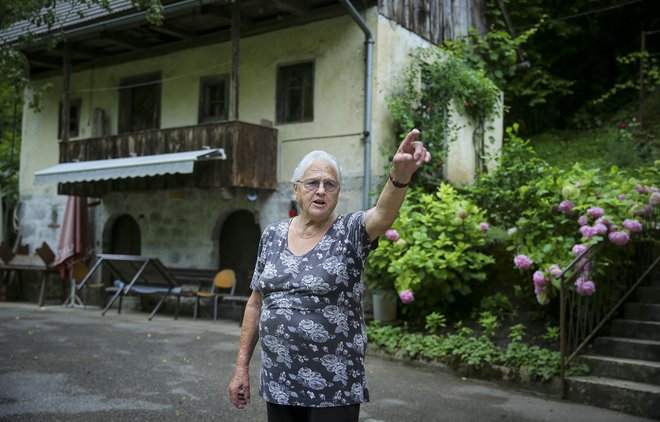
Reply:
x=384, y=306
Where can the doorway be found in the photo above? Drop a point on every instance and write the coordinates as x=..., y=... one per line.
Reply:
x=239, y=242
x=125, y=236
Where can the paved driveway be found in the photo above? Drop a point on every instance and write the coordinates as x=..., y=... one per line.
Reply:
x=61, y=364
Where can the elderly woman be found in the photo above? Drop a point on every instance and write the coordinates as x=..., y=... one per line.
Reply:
x=306, y=304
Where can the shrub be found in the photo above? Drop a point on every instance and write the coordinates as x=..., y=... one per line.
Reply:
x=435, y=254
x=504, y=191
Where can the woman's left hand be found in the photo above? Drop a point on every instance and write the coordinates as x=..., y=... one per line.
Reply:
x=409, y=157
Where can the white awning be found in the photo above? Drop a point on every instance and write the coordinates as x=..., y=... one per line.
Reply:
x=121, y=168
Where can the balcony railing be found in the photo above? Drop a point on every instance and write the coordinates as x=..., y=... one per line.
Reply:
x=251, y=157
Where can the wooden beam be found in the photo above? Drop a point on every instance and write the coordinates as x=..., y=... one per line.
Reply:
x=80, y=50
x=123, y=40
x=235, y=50
x=218, y=11
x=172, y=31
x=45, y=61
x=295, y=7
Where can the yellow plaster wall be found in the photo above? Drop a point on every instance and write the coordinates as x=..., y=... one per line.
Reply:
x=338, y=49
x=336, y=46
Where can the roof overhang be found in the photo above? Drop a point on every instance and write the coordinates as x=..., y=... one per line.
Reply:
x=123, y=168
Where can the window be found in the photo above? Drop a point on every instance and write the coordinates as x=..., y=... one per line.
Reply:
x=213, y=99
x=139, y=102
x=295, y=93
x=74, y=118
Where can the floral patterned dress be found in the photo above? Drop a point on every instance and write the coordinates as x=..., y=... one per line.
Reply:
x=311, y=328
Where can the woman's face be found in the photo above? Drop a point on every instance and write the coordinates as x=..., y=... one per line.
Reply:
x=317, y=204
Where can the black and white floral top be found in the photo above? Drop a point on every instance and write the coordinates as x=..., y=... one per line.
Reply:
x=312, y=329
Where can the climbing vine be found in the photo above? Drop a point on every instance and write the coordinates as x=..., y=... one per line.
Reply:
x=464, y=77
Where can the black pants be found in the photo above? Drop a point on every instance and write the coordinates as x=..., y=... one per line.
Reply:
x=282, y=413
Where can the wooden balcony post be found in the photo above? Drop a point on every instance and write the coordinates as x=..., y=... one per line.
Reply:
x=235, y=44
x=65, y=116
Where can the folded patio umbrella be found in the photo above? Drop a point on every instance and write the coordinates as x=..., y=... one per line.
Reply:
x=73, y=245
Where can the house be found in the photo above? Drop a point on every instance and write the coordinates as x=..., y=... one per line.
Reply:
x=184, y=136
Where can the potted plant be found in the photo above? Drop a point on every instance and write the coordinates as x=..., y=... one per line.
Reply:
x=380, y=282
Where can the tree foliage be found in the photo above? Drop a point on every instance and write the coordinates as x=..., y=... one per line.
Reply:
x=573, y=58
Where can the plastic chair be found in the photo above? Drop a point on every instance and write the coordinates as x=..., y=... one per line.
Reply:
x=222, y=284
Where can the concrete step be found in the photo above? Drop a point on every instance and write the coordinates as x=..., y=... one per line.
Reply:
x=649, y=330
x=648, y=294
x=642, y=311
x=624, y=396
x=627, y=348
x=643, y=371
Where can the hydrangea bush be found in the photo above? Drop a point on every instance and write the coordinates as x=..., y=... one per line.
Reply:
x=432, y=252
x=553, y=215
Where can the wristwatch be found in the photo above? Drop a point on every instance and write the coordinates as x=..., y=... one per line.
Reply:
x=398, y=184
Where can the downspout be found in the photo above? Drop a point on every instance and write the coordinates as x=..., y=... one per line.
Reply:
x=369, y=41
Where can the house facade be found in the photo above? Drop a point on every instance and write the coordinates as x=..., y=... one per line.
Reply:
x=257, y=84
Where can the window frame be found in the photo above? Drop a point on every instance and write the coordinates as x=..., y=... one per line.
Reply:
x=283, y=95
x=204, y=102
x=125, y=122
x=75, y=104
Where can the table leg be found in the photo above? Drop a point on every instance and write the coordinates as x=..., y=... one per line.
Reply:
x=73, y=300
x=42, y=289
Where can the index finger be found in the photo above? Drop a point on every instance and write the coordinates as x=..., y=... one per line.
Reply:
x=407, y=143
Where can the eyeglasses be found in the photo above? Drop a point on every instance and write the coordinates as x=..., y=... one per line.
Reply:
x=314, y=184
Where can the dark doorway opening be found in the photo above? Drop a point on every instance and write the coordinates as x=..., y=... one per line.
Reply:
x=125, y=236
x=239, y=242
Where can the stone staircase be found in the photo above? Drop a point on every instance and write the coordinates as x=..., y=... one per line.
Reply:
x=625, y=364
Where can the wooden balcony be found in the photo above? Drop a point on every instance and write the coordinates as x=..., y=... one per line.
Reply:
x=251, y=157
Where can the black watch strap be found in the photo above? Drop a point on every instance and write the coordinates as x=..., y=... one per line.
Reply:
x=398, y=184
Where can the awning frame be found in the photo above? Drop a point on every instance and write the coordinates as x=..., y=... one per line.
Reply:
x=129, y=167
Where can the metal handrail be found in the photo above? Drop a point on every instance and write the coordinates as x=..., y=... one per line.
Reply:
x=593, y=315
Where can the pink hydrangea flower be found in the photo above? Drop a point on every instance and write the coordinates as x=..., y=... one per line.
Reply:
x=647, y=209
x=641, y=189
x=554, y=270
x=588, y=231
x=392, y=235
x=621, y=197
x=633, y=225
x=604, y=220
x=578, y=249
x=600, y=229
x=462, y=214
x=655, y=198
x=585, y=287
x=539, y=278
x=619, y=238
x=583, y=220
x=522, y=261
x=484, y=227
x=406, y=296
x=566, y=206
x=595, y=212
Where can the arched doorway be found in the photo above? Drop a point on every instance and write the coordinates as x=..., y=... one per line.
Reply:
x=239, y=242
x=125, y=236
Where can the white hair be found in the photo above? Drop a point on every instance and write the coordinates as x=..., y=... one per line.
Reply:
x=311, y=158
